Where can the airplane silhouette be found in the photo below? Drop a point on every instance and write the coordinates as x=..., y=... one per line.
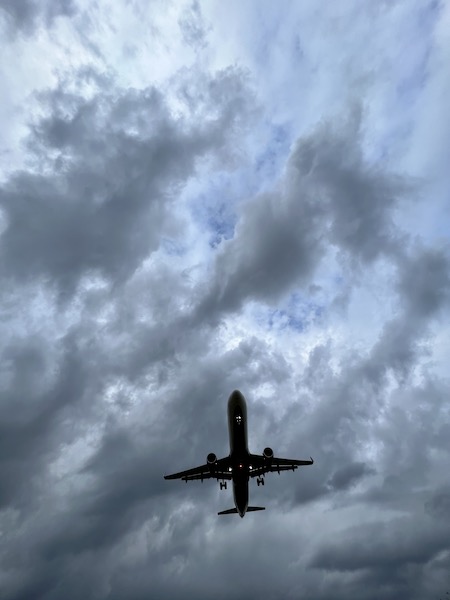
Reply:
x=240, y=465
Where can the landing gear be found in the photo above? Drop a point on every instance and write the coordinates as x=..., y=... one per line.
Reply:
x=223, y=485
x=260, y=481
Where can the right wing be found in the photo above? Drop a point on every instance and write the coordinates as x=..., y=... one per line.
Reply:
x=275, y=465
x=220, y=470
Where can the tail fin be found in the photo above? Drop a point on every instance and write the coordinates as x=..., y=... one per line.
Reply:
x=233, y=511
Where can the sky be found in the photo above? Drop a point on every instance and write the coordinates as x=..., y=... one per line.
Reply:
x=197, y=197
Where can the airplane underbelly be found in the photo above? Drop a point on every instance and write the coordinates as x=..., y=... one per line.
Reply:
x=239, y=444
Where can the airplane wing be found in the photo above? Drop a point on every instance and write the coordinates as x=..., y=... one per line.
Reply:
x=219, y=470
x=261, y=465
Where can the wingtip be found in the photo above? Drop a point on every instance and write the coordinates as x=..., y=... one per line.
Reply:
x=312, y=460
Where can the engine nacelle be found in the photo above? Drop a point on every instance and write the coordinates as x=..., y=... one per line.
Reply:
x=211, y=459
x=268, y=453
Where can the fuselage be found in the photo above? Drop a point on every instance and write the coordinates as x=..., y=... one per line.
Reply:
x=237, y=430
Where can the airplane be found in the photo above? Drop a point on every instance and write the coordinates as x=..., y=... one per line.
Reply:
x=240, y=465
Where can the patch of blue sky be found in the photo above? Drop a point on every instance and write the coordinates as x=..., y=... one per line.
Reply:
x=173, y=247
x=221, y=224
x=214, y=206
x=297, y=314
x=270, y=161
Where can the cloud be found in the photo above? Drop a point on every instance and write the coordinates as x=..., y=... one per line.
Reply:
x=349, y=475
x=192, y=26
x=425, y=283
x=388, y=547
x=201, y=208
x=29, y=426
x=26, y=16
x=117, y=160
x=439, y=505
x=328, y=196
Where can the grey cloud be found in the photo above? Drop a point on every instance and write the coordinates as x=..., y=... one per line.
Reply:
x=424, y=283
x=396, y=350
x=349, y=475
x=439, y=504
x=106, y=175
x=29, y=412
x=328, y=195
x=388, y=546
x=27, y=15
x=137, y=374
x=351, y=401
x=124, y=492
x=358, y=199
x=423, y=294
x=109, y=507
x=192, y=26
x=272, y=250
x=123, y=157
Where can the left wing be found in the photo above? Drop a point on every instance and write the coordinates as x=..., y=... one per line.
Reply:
x=219, y=470
x=262, y=465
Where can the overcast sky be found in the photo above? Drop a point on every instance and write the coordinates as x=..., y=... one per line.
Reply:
x=203, y=196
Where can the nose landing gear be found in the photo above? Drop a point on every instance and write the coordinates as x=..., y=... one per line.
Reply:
x=223, y=485
x=260, y=481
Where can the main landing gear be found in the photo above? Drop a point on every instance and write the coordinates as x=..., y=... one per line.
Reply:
x=260, y=481
x=223, y=485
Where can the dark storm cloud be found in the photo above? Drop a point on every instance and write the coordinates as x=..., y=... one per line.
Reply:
x=124, y=486
x=28, y=15
x=407, y=425
x=119, y=494
x=119, y=159
x=388, y=546
x=30, y=407
x=126, y=489
x=357, y=198
x=107, y=172
x=349, y=475
x=439, y=504
x=105, y=176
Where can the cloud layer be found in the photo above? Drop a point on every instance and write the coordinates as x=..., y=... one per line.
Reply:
x=189, y=205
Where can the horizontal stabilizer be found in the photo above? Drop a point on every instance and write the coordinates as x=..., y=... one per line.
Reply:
x=230, y=511
x=250, y=508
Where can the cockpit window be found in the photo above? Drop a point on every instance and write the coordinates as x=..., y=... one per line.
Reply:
x=238, y=419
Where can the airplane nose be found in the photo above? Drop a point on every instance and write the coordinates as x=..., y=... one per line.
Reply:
x=235, y=395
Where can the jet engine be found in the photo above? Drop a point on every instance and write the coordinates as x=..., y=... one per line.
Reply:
x=211, y=459
x=268, y=453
